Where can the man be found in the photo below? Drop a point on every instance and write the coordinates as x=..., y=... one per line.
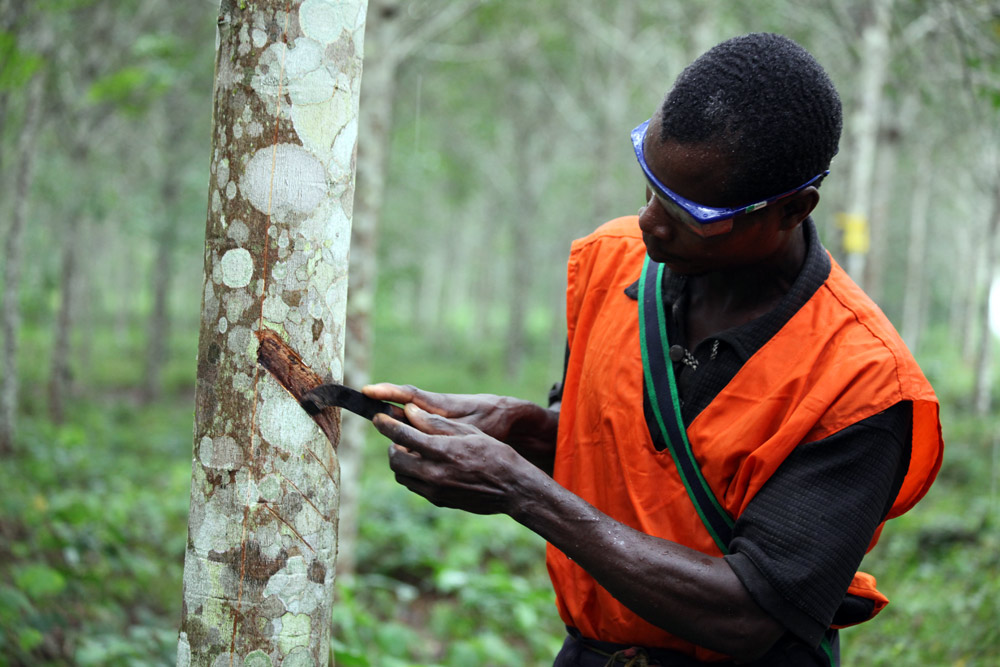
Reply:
x=737, y=418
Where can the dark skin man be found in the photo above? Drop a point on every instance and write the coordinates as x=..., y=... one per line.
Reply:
x=487, y=454
x=737, y=419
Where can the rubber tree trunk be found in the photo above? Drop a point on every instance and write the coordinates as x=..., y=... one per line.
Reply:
x=391, y=39
x=529, y=180
x=874, y=63
x=982, y=397
x=916, y=293
x=158, y=337
x=262, y=532
x=377, y=94
x=10, y=315
x=970, y=281
x=882, y=203
x=60, y=385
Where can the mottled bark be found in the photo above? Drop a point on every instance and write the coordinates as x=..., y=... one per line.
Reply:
x=10, y=315
x=286, y=366
x=262, y=540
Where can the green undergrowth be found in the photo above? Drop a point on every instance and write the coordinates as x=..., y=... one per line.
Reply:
x=939, y=565
x=440, y=587
x=93, y=519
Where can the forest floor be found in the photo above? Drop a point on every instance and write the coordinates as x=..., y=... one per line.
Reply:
x=93, y=529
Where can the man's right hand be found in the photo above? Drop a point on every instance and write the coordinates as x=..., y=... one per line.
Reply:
x=528, y=428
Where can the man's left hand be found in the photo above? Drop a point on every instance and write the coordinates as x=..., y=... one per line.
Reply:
x=452, y=464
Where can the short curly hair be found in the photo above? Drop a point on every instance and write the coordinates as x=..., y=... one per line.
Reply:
x=765, y=100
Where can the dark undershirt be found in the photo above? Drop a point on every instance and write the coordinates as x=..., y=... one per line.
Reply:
x=802, y=537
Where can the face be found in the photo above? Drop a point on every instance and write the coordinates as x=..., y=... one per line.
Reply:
x=696, y=172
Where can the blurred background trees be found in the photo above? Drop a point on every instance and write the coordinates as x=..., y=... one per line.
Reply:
x=492, y=133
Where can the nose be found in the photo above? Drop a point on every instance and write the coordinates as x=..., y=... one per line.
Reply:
x=653, y=220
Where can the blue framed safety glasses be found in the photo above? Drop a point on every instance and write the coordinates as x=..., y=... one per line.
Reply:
x=703, y=220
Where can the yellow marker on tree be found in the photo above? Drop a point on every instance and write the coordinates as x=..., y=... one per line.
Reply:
x=856, y=233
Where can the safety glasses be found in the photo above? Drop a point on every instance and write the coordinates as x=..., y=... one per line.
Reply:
x=703, y=220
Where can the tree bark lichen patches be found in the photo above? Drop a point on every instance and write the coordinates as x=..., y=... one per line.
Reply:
x=262, y=542
x=237, y=267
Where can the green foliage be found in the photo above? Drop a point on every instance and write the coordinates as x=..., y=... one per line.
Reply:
x=93, y=512
x=16, y=65
x=132, y=88
x=63, y=6
x=92, y=521
x=440, y=587
x=939, y=564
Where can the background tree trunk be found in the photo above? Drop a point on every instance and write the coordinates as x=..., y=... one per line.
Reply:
x=864, y=126
x=983, y=392
x=971, y=280
x=914, y=297
x=60, y=374
x=389, y=41
x=261, y=556
x=60, y=385
x=158, y=336
x=10, y=316
x=375, y=122
x=883, y=199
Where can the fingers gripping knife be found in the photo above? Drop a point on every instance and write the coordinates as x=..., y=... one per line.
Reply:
x=337, y=395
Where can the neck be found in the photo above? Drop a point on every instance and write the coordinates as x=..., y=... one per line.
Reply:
x=724, y=299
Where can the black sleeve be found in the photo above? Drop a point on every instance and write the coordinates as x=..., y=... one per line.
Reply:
x=802, y=537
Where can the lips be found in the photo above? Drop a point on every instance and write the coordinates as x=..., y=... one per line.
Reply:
x=655, y=250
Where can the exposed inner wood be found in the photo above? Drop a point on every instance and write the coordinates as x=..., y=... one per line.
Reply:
x=287, y=367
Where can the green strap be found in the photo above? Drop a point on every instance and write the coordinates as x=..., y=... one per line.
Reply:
x=667, y=429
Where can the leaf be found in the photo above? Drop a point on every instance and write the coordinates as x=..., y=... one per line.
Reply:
x=39, y=581
x=16, y=66
x=29, y=638
x=13, y=605
x=61, y=6
x=131, y=88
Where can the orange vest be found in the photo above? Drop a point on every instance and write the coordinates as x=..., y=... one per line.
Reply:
x=837, y=361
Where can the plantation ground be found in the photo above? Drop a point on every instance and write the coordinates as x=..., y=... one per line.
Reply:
x=93, y=527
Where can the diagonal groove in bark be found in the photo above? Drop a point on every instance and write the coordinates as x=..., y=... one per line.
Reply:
x=287, y=367
x=304, y=496
x=285, y=521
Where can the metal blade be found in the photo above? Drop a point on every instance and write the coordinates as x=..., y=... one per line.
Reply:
x=337, y=395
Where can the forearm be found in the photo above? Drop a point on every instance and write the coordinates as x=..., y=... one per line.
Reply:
x=685, y=592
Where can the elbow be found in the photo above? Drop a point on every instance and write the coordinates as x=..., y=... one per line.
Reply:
x=750, y=651
x=753, y=640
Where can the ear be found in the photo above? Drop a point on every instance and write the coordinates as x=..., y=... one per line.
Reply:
x=797, y=208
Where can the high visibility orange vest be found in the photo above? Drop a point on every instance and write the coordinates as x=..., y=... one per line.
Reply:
x=837, y=361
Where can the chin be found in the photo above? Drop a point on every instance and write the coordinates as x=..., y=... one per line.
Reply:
x=677, y=266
